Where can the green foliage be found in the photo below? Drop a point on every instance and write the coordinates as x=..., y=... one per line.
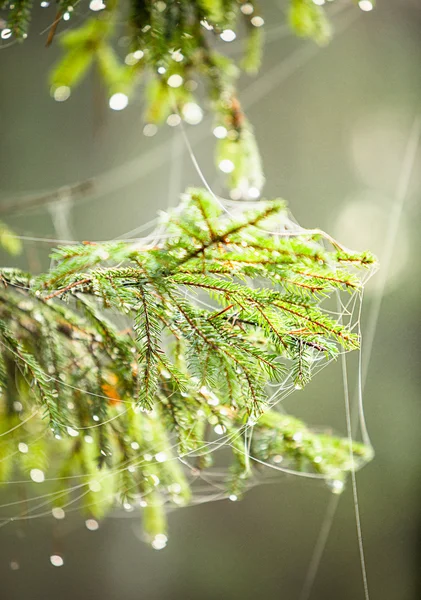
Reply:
x=85, y=46
x=208, y=316
x=8, y=241
x=19, y=17
x=309, y=20
x=167, y=40
x=253, y=50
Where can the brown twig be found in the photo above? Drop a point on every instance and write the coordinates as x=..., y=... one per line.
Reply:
x=67, y=288
x=53, y=28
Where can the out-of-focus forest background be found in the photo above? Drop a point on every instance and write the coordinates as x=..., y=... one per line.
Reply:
x=332, y=124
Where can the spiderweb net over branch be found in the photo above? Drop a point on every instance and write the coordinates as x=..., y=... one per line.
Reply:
x=152, y=372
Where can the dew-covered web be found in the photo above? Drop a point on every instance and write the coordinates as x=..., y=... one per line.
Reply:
x=207, y=484
x=62, y=494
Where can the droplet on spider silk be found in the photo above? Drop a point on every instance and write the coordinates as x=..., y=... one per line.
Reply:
x=236, y=194
x=150, y=130
x=366, y=5
x=175, y=488
x=175, y=80
x=336, y=485
x=257, y=21
x=177, y=56
x=95, y=486
x=192, y=113
x=228, y=35
x=173, y=120
x=226, y=166
x=160, y=5
x=118, y=101
x=61, y=93
x=56, y=560
x=253, y=193
x=213, y=400
x=91, y=524
x=37, y=475
x=160, y=541
x=58, y=512
x=161, y=457
x=220, y=132
x=220, y=429
x=131, y=59
x=247, y=8
x=96, y=5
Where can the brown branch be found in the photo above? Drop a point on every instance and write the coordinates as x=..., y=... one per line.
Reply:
x=212, y=233
x=258, y=306
x=326, y=278
x=314, y=322
x=53, y=28
x=67, y=288
x=222, y=238
x=221, y=312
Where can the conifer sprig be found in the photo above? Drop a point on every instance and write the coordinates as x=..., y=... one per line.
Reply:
x=172, y=45
x=137, y=354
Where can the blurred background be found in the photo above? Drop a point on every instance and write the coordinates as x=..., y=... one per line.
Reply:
x=333, y=124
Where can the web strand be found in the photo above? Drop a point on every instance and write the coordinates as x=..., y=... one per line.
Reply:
x=367, y=348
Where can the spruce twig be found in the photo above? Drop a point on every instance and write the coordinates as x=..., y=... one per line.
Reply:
x=183, y=367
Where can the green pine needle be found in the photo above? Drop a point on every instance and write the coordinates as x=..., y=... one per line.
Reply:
x=134, y=355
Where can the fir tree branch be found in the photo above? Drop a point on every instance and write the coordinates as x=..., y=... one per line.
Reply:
x=179, y=368
x=173, y=45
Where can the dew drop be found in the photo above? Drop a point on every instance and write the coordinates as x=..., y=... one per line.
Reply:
x=58, y=512
x=56, y=560
x=37, y=475
x=337, y=486
x=220, y=429
x=160, y=541
x=91, y=524
x=228, y=35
